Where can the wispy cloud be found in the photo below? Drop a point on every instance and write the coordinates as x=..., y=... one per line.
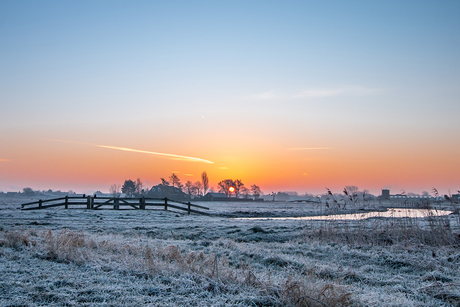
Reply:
x=4, y=160
x=318, y=93
x=265, y=96
x=223, y=167
x=338, y=91
x=311, y=148
x=161, y=154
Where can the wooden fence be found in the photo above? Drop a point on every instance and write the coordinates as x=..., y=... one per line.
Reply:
x=94, y=202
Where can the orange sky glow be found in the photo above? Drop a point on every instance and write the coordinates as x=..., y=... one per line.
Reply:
x=87, y=167
x=294, y=96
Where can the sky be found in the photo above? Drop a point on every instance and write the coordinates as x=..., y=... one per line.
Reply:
x=288, y=95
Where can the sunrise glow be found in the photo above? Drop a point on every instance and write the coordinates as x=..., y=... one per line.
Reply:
x=293, y=96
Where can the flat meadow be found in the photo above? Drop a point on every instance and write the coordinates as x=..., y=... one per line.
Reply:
x=241, y=255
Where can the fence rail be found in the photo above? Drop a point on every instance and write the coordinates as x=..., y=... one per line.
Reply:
x=94, y=202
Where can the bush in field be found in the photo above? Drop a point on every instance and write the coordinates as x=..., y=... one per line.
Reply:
x=28, y=192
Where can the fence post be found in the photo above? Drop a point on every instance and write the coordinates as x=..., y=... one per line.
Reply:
x=142, y=203
x=66, y=204
x=166, y=204
x=188, y=208
x=40, y=203
x=88, y=202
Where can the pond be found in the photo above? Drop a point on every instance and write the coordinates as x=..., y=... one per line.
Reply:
x=391, y=212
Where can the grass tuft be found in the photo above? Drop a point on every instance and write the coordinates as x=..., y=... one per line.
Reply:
x=16, y=239
x=299, y=293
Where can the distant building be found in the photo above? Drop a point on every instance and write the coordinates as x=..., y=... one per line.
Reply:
x=12, y=194
x=211, y=196
x=385, y=194
x=282, y=196
x=162, y=191
x=100, y=194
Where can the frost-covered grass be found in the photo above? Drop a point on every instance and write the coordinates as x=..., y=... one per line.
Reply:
x=58, y=257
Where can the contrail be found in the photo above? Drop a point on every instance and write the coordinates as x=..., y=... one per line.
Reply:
x=4, y=160
x=175, y=157
x=171, y=156
x=310, y=148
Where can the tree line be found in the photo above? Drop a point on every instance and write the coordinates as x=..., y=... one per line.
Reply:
x=238, y=188
x=195, y=189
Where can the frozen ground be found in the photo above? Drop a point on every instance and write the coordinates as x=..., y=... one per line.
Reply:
x=58, y=257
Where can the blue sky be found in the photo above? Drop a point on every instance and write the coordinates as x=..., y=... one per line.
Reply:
x=286, y=74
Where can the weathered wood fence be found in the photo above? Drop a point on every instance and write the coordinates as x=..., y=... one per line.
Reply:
x=94, y=202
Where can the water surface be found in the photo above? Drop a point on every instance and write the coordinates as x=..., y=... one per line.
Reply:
x=392, y=212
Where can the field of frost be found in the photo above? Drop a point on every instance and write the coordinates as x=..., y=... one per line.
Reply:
x=77, y=257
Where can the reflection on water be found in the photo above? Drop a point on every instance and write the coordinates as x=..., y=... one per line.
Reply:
x=392, y=212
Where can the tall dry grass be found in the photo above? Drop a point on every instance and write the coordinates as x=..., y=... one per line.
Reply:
x=431, y=231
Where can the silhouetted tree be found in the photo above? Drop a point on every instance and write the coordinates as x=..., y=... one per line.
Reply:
x=197, y=188
x=175, y=181
x=256, y=191
x=115, y=190
x=189, y=189
x=138, y=185
x=129, y=187
x=244, y=191
x=205, y=182
x=238, y=184
x=28, y=192
x=224, y=185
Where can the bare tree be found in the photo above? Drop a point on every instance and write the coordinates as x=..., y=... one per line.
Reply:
x=238, y=184
x=197, y=188
x=115, y=190
x=189, y=188
x=205, y=182
x=175, y=181
x=245, y=191
x=138, y=187
x=255, y=189
x=224, y=186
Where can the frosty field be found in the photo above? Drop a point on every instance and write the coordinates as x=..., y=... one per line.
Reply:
x=76, y=257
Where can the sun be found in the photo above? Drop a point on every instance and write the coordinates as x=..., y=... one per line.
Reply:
x=231, y=189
